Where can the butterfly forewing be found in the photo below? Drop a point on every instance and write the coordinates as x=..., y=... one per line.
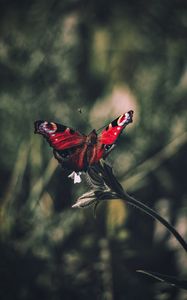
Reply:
x=110, y=134
x=60, y=137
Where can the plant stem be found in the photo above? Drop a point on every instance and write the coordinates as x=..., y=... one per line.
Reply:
x=131, y=200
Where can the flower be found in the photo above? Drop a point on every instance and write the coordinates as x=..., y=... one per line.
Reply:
x=103, y=184
x=76, y=177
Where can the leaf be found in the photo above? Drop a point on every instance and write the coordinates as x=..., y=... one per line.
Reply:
x=110, y=179
x=100, y=176
x=94, y=179
x=85, y=200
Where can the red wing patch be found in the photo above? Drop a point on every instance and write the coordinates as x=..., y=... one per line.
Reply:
x=60, y=137
x=110, y=134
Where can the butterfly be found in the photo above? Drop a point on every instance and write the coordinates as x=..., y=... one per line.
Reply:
x=76, y=151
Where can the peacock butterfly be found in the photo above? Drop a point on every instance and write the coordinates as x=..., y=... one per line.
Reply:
x=76, y=151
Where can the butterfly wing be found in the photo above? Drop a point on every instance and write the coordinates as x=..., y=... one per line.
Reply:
x=59, y=137
x=73, y=159
x=68, y=145
x=110, y=134
x=107, y=138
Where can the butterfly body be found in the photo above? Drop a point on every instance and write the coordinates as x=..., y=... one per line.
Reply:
x=76, y=151
x=79, y=158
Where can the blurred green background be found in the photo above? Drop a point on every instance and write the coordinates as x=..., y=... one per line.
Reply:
x=103, y=57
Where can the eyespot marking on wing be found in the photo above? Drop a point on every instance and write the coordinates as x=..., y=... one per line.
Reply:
x=49, y=127
x=125, y=118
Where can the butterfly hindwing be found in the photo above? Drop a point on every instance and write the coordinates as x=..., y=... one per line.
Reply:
x=72, y=159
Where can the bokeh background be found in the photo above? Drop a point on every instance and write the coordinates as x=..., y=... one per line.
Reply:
x=83, y=63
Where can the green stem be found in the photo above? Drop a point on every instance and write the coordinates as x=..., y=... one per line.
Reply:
x=155, y=216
